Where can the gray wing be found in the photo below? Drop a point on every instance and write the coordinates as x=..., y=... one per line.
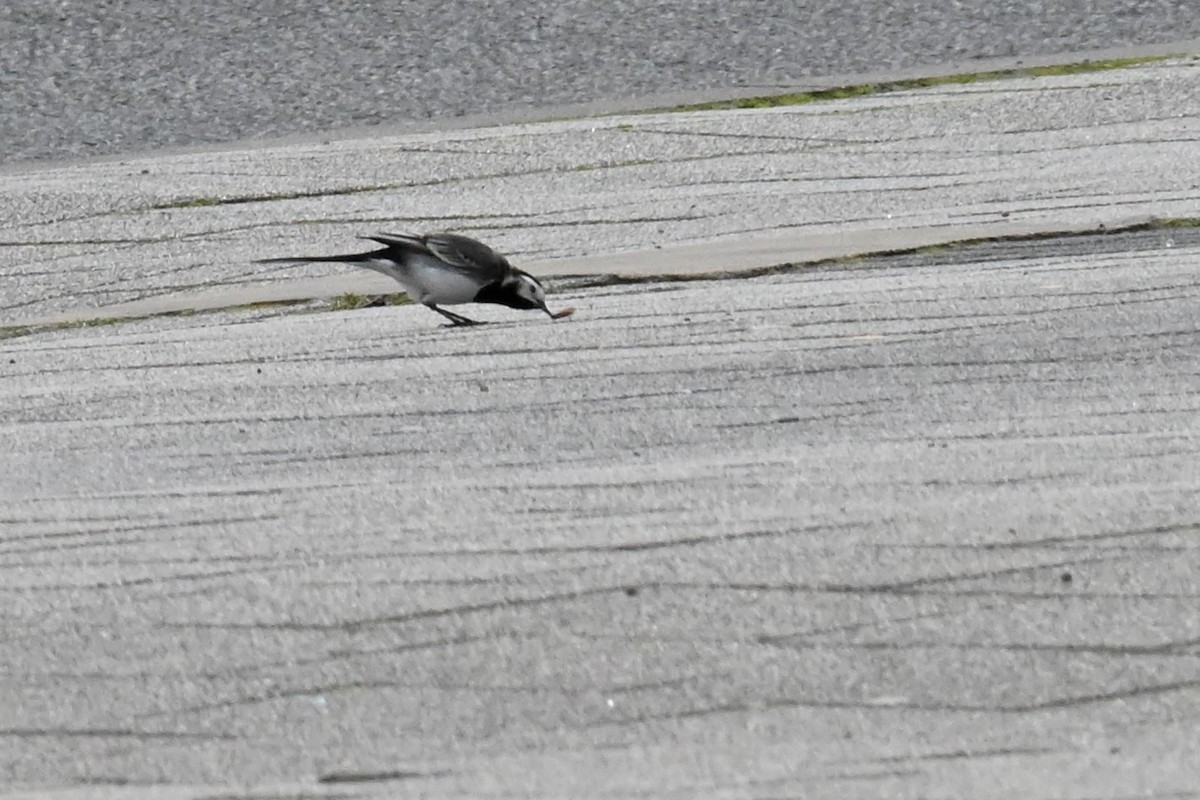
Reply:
x=459, y=252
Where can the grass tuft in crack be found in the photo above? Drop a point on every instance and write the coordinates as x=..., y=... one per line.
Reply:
x=349, y=302
x=859, y=90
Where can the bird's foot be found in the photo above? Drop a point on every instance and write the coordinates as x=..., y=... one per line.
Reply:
x=456, y=320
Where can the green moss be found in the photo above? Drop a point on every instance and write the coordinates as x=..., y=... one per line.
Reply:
x=616, y=280
x=859, y=90
x=933, y=249
x=340, y=303
x=349, y=302
x=261, y=304
x=1090, y=66
x=15, y=331
x=1149, y=225
x=1184, y=222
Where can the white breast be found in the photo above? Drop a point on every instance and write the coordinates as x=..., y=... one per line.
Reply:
x=428, y=281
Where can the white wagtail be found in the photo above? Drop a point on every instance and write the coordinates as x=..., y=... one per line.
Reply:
x=439, y=269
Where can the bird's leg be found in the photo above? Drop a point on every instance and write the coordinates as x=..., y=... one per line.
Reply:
x=455, y=319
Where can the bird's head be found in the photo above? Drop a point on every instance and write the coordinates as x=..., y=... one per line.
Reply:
x=520, y=290
x=525, y=291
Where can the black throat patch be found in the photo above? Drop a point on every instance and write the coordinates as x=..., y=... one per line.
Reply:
x=503, y=294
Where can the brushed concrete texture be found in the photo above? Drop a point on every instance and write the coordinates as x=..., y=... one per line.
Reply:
x=81, y=77
x=644, y=194
x=923, y=526
x=915, y=526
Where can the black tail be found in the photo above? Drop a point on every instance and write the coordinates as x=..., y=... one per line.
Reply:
x=350, y=258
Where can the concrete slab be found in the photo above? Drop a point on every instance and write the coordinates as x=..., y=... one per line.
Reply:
x=916, y=526
x=641, y=194
x=920, y=526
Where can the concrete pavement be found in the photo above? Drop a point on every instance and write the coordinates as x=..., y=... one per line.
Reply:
x=919, y=525
x=81, y=78
x=642, y=194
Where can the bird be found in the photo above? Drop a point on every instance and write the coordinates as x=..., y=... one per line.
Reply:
x=439, y=269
